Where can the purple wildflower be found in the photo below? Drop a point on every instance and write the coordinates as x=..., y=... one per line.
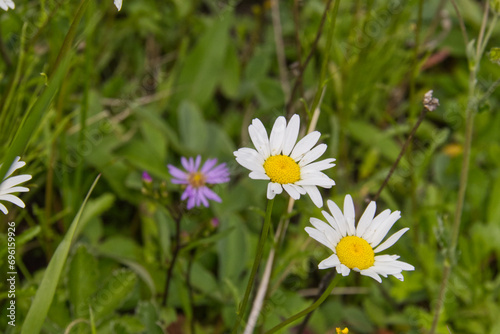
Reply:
x=146, y=177
x=196, y=179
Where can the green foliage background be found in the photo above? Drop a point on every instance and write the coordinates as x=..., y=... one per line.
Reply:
x=164, y=79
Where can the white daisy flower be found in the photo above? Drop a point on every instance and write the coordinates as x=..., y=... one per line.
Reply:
x=286, y=164
x=10, y=185
x=355, y=247
x=118, y=4
x=6, y=4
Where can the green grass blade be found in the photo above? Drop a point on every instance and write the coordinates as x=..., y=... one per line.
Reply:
x=32, y=121
x=45, y=293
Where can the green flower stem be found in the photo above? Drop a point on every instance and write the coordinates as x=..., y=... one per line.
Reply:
x=470, y=112
x=258, y=256
x=311, y=308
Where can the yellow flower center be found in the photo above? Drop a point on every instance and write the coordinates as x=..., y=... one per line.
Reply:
x=282, y=169
x=355, y=252
x=342, y=331
x=196, y=179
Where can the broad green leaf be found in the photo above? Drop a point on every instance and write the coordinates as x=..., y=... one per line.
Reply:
x=204, y=65
x=82, y=281
x=113, y=294
x=192, y=127
x=148, y=314
x=371, y=136
x=233, y=250
x=230, y=80
x=45, y=293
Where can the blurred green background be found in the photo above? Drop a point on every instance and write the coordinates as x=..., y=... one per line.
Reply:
x=163, y=79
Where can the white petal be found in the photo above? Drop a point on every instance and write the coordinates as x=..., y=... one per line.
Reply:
x=13, y=199
x=251, y=165
x=333, y=223
x=344, y=270
x=319, y=165
x=276, y=188
x=291, y=134
x=304, y=145
x=118, y=4
x=291, y=191
x=399, y=277
x=338, y=216
x=14, y=190
x=313, y=154
x=385, y=258
x=14, y=180
x=405, y=266
x=383, y=228
x=379, y=219
x=258, y=176
x=16, y=164
x=329, y=262
x=315, y=195
x=258, y=134
x=277, y=135
x=331, y=235
x=3, y=209
x=316, y=180
x=366, y=218
x=299, y=189
x=249, y=153
x=349, y=214
x=270, y=193
x=391, y=241
x=319, y=237
x=370, y=272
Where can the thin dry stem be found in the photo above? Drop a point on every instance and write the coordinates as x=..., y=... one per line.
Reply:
x=280, y=48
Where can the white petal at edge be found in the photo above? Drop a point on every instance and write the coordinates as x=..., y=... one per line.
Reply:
x=291, y=191
x=277, y=135
x=315, y=195
x=304, y=145
x=383, y=229
x=391, y=240
x=349, y=215
x=338, y=216
x=312, y=155
x=13, y=199
x=3, y=209
x=291, y=134
x=258, y=176
x=329, y=262
x=366, y=218
x=318, y=236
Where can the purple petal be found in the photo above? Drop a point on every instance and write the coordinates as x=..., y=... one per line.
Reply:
x=177, y=173
x=211, y=195
x=208, y=165
x=185, y=164
x=188, y=193
x=197, y=163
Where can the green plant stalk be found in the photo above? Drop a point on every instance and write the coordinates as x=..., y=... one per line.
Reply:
x=306, y=311
x=258, y=256
x=464, y=174
x=15, y=81
x=470, y=112
x=324, y=66
x=85, y=105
